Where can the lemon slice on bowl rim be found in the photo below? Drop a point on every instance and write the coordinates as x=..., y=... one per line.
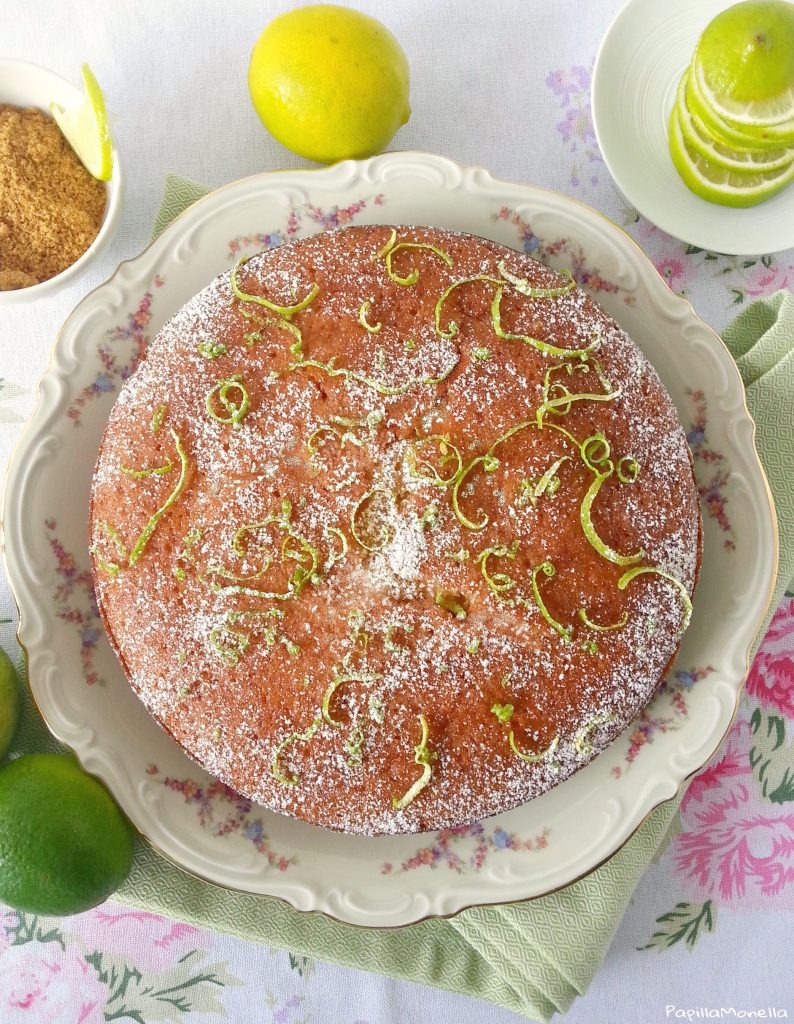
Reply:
x=85, y=127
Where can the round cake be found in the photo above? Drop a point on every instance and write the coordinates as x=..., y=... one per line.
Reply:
x=394, y=528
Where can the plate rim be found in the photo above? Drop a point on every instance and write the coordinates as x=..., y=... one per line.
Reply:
x=27, y=433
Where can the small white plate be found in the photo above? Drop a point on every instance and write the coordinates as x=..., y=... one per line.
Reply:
x=205, y=827
x=641, y=58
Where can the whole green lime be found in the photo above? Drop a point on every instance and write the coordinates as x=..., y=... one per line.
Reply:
x=64, y=844
x=329, y=83
x=10, y=703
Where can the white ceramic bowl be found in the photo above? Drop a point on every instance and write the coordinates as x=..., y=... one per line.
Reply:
x=28, y=85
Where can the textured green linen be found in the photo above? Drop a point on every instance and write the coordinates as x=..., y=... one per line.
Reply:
x=533, y=957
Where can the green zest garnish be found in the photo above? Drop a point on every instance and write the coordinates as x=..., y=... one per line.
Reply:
x=354, y=746
x=111, y=568
x=422, y=757
x=186, y=557
x=452, y=603
x=533, y=758
x=362, y=318
x=151, y=526
x=429, y=517
x=522, y=285
x=235, y=412
x=228, y=644
x=474, y=646
x=294, y=547
x=388, y=641
x=294, y=737
x=627, y=577
x=458, y=556
x=157, y=418
x=333, y=686
x=595, y=454
x=590, y=646
x=503, y=712
x=481, y=354
x=385, y=531
x=548, y=570
x=498, y=583
x=602, y=629
x=334, y=556
x=341, y=428
x=628, y=469
x=549, y=484
x=557, y=398
x=452, y=326
x=536, y=343
x=581, y=743
x=138, y=474
x=211, y=349
x=377, y=385
x=261, y=300
x=376, y=709
x=422, y=469
x=392, y=246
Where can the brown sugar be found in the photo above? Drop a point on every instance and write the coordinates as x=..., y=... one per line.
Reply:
x=51, y=208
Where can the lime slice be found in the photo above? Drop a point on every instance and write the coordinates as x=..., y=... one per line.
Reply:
x=86, y=128
x=744, y=62
x=781, y=132
x=717, y=184
x=721, y=130
x=741, y=160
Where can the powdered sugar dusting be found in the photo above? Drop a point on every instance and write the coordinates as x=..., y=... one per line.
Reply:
x=315, y=548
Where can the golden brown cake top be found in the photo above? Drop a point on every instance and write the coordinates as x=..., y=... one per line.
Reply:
x=394, y=528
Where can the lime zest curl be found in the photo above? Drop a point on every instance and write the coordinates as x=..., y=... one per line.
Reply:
x=548, y=570
x=363, y=310
x=561, y=404
x=294, y=737
x=235, y=413
x=581, y=743
x=139, y=474
x=452, y=326
x=386, y=531
x=503, y=712
x=211, y=349
x=306, y=555
x=542, y=346
x=422, y=757
x=333, y=686
x=630, y=474
x=111, y=568
x=525, y=288
x=229, y=644
x=549, y=483
x=388, y=390
x=595, y=451
x=686, y=600
x=286, y=311
x=498, y=583
x=158, y=416
x=447, y=453
x=151, y=526
x=452, y=603
x=393, y=246
x=533, y=758
x=601, y=628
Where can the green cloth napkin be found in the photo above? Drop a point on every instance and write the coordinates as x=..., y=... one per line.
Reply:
x=533, y=957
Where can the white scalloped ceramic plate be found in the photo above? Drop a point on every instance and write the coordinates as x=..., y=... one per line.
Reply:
x=641, y=58
x=211, y=831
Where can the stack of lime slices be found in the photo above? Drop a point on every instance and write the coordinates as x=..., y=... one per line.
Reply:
x=731, y=131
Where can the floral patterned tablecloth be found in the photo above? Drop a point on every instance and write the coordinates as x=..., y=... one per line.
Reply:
x=508, y=87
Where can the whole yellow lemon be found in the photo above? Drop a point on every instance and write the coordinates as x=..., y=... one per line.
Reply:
x=329, y=83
